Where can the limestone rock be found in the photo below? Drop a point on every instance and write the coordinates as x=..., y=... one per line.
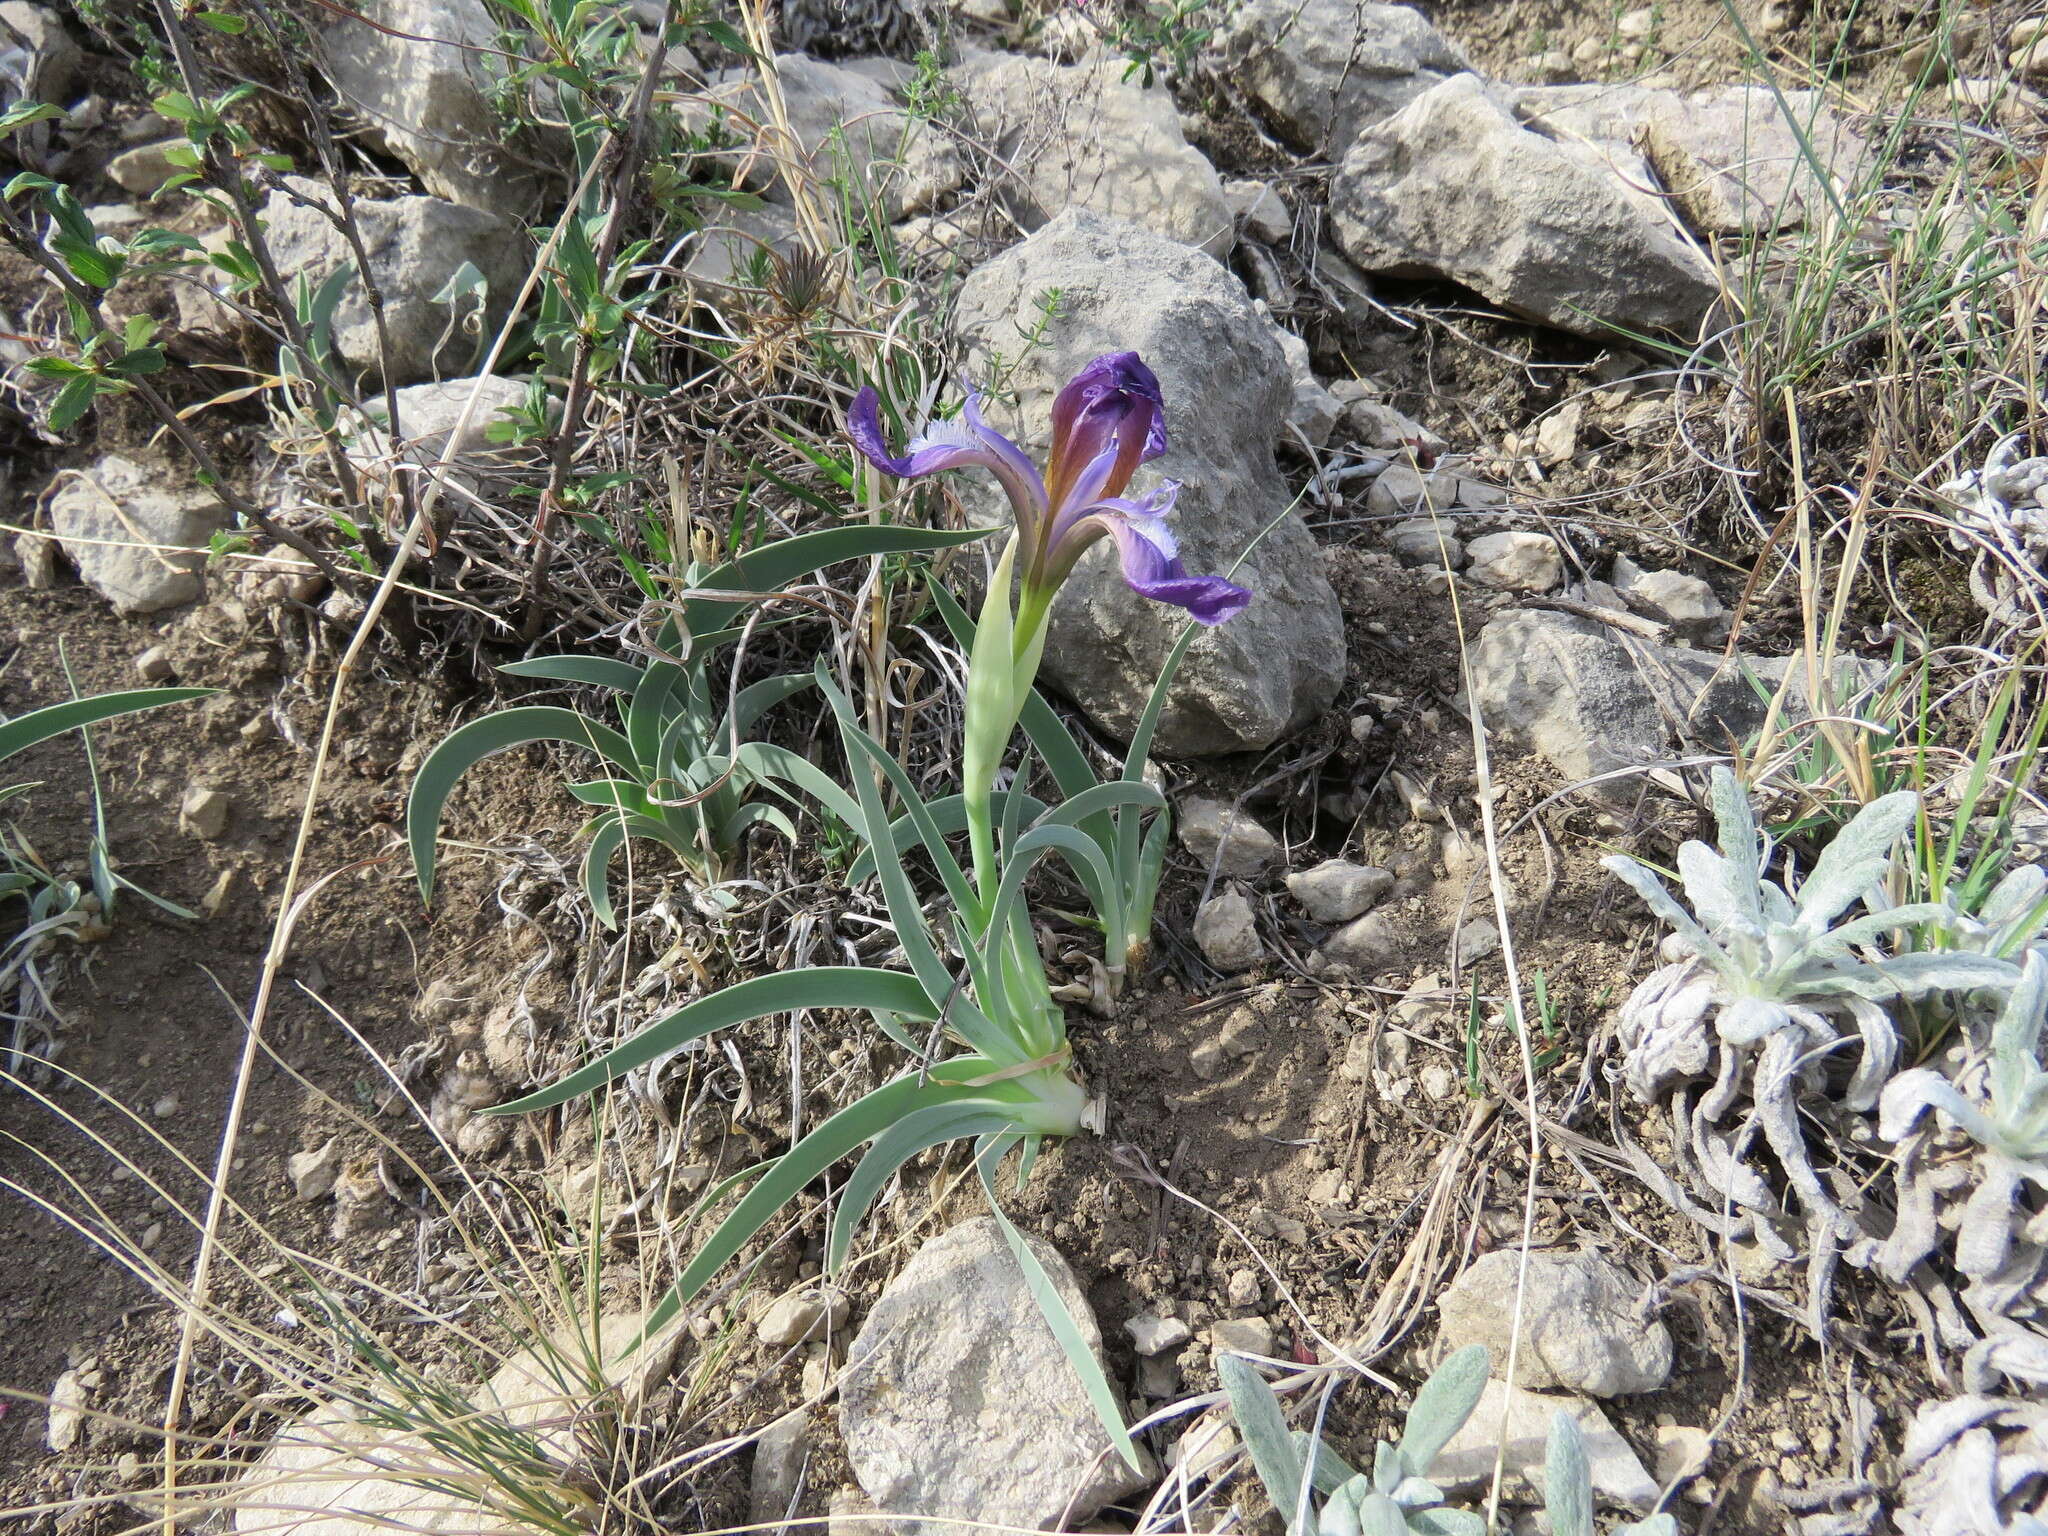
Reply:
x=37, y=57
x=737, y=243
x=313, y=1173
x=1684, y=602
x=138, y=540
x=801, y=1315
x=1453, y=186
x=1320, y=70
x=1227, y=931
x=851, y=130
x=1246, y=683
x=958, y=1402
x=1726, y=158
x=1081, y=136
x=545, y=1387
x=1152, y=1334
x=1365, y=946
x=1419, y=544
x=66, y=1414
x=1337, y=890
x=1581, y=1327
x=1401, y=490
x=779, y=1458
x=1228, y=841
x=143, y=169
x=1375, y=424
x=1466, y=1463
x=331, y=1475
x=416, y=244
x=1516, y=561
x=1593, y=699
x=422, y=95
x=1314, y=411
x=428, y=415
x=1259, y=210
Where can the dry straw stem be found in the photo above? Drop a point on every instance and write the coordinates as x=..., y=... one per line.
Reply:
x=292, y=904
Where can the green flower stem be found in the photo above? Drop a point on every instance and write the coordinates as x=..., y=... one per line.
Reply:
x=1001, y=669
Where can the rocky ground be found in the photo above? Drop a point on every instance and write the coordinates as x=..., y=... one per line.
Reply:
x=1587, y=395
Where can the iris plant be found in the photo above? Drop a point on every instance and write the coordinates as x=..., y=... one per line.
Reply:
x=1010, y=1082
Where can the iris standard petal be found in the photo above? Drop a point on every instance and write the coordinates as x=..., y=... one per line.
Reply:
x=1115, y=399
x=969, y=442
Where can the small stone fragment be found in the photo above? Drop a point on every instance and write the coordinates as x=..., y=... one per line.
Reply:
x=1226, y=928
x=799, y=1316
x=1557, y=435
x=1243, y=1289
x=203, y=813
x=1259, y=210
x=1476, y=940
x=313, y=1173
x=1228, y=840
x=1366, y=946
x=1337, y=890
x=1420, y=543
x=154, y=664
x=1516, y=561
x=1581, y=1326
x=779, y=1458
x=1152, y=1334
x=67, y=1412
x=1466, y=1463
x=1242, y=1335
x=1375, y=424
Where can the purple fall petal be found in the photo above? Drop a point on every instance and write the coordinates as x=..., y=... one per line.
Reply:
x=1151, y=560
x=967, y=443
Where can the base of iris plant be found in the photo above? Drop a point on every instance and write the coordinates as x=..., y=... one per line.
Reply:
x=1056, y=1105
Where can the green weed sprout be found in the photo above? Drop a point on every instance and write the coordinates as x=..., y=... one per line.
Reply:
x=671, y=773
x=1013, y=1084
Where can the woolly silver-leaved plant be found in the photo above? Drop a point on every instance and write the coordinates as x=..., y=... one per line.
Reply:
x=1777, y=989
x=1973, y=1157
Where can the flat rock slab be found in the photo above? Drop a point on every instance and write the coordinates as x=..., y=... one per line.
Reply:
x=1595, y=699
x=1453, y=186
x=1581, y=1329
x=958, y=1402
x=137, y=539
x=1520, y=1421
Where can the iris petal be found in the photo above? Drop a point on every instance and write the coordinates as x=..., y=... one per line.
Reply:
x=969, y=442
x=1151, y=558
x=1105, y=403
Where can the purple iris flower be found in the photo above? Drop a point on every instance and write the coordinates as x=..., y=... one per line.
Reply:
x=1106, y=422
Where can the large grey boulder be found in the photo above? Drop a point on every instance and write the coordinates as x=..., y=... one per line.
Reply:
x=414, y=78
x=851, y=130
x=1453, y=186
x=1081, y=136
x=1728, y=159
x=1581, y=1327
x=37, y=57
x=137, y=539
x=957, y=1401
x=1595, y=699
x=1321, y=70
x=415, y=245
x=1274, y=667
